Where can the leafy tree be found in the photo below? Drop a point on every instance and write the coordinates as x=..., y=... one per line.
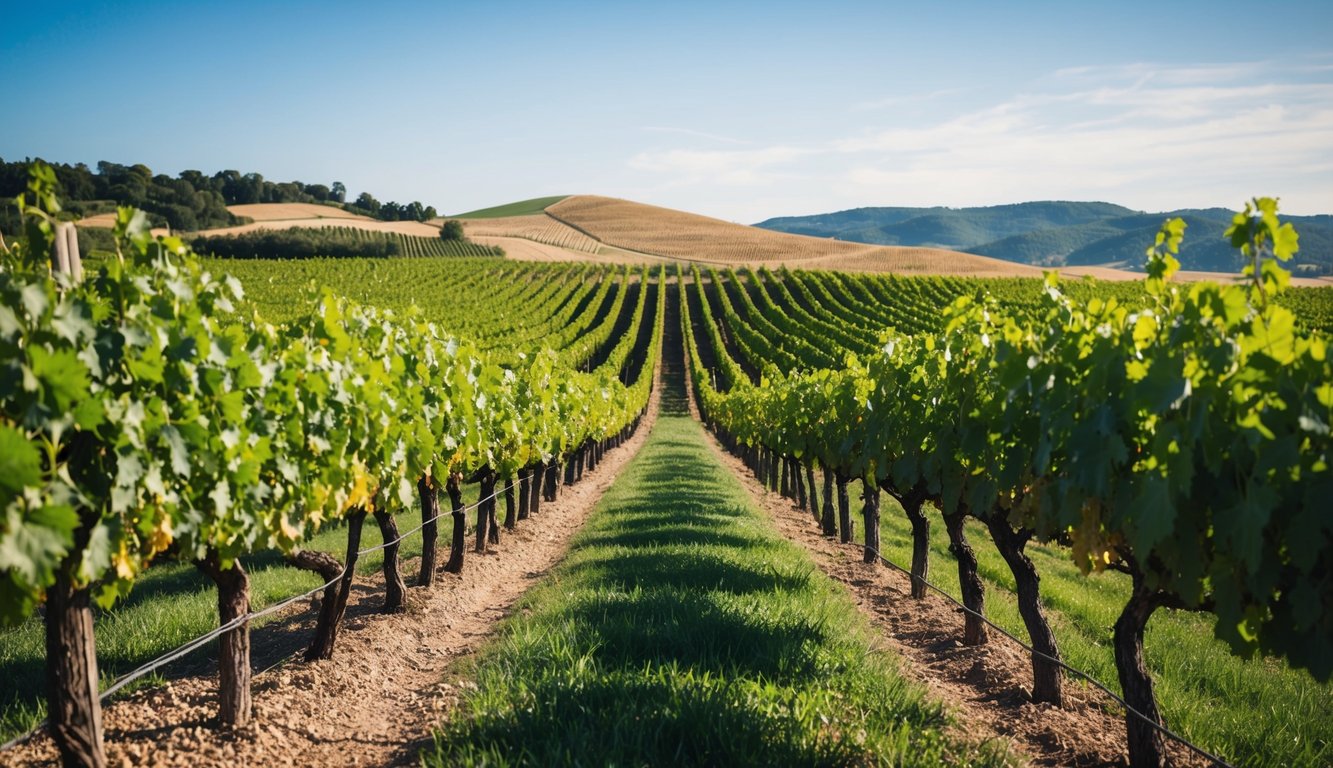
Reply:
x=452, y=230
x=189, y=201
x=367, y=202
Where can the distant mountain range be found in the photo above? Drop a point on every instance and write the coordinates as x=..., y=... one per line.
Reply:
x=1057, y=233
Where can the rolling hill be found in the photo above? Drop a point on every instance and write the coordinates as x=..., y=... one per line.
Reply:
x=673, y=234
x=1057, y=233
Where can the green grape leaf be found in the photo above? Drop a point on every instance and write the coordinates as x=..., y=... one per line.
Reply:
x=32, y=545
x=97, y=555
x=1154, y=515
x=16, y=599
x=1309, y=528
x=61, y=374
x=180, y=455
x=1242, y=525
x=34, y=299
x=20, y=461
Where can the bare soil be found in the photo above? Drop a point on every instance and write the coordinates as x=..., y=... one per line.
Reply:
x=522, y=249
x=537, y=227
x=376, y=702
x=413, y=228
x=988, y=687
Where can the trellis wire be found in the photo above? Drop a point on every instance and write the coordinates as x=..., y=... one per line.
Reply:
x=1074, y=670
x=202, y=640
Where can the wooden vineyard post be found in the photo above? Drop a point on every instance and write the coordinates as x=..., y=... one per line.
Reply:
x=73, y=707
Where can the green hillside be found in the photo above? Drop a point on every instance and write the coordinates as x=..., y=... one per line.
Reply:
x=1056, y=233
x=520, y=208
x=949, y=227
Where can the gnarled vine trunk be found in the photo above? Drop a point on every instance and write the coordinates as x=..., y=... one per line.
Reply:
x=798, y=482
x=492, y=518
x=1146, y=747
x=535, y=481
x=454, y=487
x=234, y=702
x=552, y=482
x=395, y=591
x=912, y=504
x=483, y=511
x=844, y=512
x=811, y=495
x=524, y=494
x=430, y=529
x=511, y=509
x=870, y=518
x=326, y=565
x=74, y=710
x=334, y=604
x=974, y=592
x=828, y=523
x=1046, y=680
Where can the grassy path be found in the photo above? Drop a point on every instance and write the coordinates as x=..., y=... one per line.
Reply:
x=682, y=629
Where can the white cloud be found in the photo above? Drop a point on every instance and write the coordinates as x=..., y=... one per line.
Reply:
x=1148, y=136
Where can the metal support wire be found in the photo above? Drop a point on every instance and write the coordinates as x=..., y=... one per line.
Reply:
x=1074, y=670
x=202, y=640
x=1080, y=673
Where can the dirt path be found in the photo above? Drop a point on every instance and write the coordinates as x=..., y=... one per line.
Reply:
x=376, y=701
x=988, y=688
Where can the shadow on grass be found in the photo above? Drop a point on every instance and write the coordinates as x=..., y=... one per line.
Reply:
x=700, y=631
x=690, y=571
x=677, y=633
x=664, y=719
x=676, y=534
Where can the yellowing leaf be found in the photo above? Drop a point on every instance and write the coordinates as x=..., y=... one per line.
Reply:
x=121, y=560
x=162, y=536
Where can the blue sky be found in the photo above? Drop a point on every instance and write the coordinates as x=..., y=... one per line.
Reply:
x=735, y=110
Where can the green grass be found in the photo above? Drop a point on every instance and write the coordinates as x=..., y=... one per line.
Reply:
x=172, y=604
x=1255, y=713
x=520, y=208
x=683, y=630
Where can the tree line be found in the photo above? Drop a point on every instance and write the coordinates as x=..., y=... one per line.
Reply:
x=335, y=242
x=188, y=202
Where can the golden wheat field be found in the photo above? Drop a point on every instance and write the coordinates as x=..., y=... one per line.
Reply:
x=108, y=220
x=101, y=220
x=538, y=228
x=283, y=211
x=521, y=249
x=414, y=228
